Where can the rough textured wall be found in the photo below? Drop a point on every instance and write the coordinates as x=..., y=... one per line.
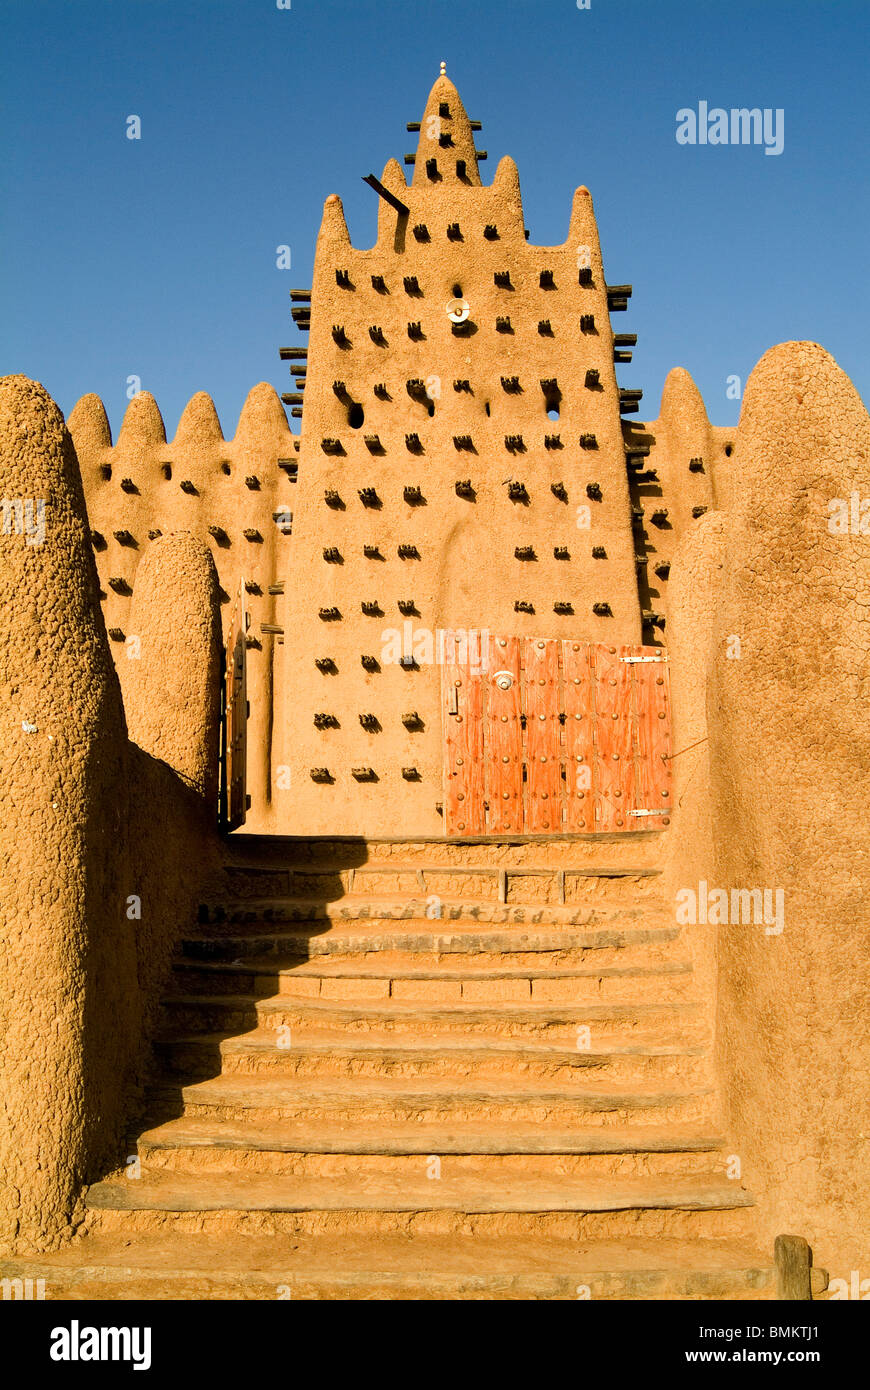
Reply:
x=104, y=849
x=380, y=334
x=695, y=596
x=68, y=952
x=225, y=492
x=175, y=663
x=173, y=714
x=790, y=782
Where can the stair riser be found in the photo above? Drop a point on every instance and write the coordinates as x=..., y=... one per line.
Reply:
x=517, y=888
x=228, y=917
x=487, y=1167
x=640, y=1223
x=632, y=851
x=558, y=948
x=566, y=1112
x=625, y=990
x=285, y=953
x=660, y=1028
x=687, y=1071
x=188, y=1063
x=208, y=1018
x=578, y=989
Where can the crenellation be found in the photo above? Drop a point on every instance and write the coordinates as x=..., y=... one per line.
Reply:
x=225, y=492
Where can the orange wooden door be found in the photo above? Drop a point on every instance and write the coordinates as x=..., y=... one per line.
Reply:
x=652, y=727
x=614, y=760
x=578, y=706
x=462, y=712
x=542, y=708
x=545, y=737
x=503, y=737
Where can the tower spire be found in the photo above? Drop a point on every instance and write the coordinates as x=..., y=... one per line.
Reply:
x=445, y=149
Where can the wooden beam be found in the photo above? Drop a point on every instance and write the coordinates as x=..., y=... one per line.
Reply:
x=385, y=193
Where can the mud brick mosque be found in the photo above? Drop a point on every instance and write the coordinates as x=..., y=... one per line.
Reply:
x=350, y=777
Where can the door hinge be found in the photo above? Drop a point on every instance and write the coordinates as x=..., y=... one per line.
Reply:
x=633, y=660
x=664, y=811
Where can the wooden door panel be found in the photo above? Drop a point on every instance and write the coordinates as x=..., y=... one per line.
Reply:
x=595, y=746
x=578, y=705
x=541, y=706
x=613, y=739
x=652, y=718
x=462, y=708
x=503, y=737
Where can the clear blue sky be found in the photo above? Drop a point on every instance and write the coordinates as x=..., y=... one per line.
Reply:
x=157, y=257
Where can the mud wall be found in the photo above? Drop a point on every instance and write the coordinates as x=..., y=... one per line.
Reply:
x=226, y=493
x=104, y=848
x=786, y=663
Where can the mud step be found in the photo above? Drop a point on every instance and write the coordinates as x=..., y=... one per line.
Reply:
x=256, y=1192
x=346, y=1150
x=517, y=944
x=377, y=869
x=347, y=980
x=393, y=1267
x=695, y=1206
x=330, y=1054
x=627, y=851
x=378, y=969
x=515, y=885
x=417, y=907
x=662, y=1023
x=428, y=1101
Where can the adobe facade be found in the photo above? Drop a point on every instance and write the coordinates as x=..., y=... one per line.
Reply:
x=464, y=466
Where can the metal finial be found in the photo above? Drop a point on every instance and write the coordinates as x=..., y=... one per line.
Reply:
x=443, y=69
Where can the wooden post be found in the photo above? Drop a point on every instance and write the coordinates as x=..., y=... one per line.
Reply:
x=792, y=1257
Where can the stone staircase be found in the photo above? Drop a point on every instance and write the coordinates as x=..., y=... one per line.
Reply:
x=427, y=1070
